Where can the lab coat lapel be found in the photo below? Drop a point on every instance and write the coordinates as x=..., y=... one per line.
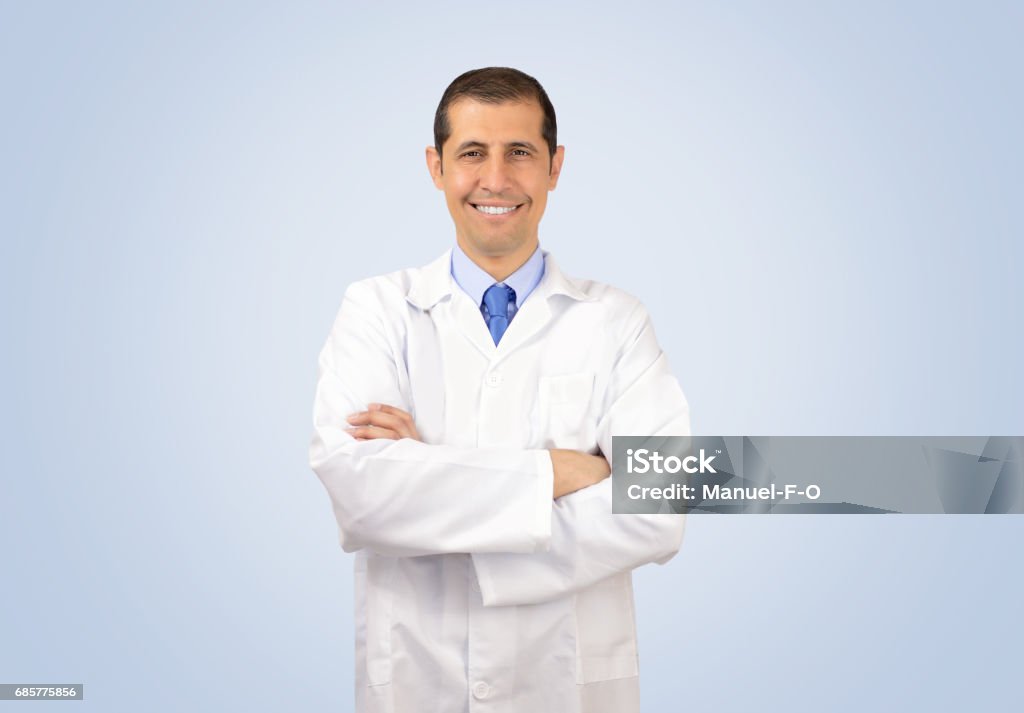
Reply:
x=530, y=319
x=540, y=308
x=431, y=285
x=470, y=322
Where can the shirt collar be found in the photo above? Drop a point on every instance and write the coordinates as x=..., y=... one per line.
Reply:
x=430, y=284
x=474, y=280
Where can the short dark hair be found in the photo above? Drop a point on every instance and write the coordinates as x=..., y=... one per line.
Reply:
x=495, y=85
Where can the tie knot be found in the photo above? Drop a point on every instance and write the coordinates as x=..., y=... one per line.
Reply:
x=497, y=299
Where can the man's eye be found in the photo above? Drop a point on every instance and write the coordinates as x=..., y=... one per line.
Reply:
x=520, y=152
x=471, y=154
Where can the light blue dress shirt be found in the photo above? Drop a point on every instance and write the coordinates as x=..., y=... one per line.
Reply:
x=474, y=280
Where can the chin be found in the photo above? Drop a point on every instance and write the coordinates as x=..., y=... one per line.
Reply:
x=496, y=246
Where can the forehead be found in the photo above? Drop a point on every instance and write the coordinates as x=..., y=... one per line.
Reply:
x=508, y=121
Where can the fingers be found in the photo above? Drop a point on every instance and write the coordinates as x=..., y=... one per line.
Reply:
x=406, y=426
x=382, y=421
x=368, y=433
x=377, y=418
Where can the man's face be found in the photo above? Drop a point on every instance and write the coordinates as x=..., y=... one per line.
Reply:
x=495, y=172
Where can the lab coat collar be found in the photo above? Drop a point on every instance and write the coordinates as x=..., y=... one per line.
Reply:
x=555, y=282
x=433, y=282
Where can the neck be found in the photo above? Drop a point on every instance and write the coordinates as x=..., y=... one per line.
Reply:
x=499, y=266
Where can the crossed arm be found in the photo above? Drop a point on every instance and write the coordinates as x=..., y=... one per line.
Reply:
x=537, y=523
x=572, y=470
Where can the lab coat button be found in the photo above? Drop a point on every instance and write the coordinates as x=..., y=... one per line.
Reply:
x=493, y=379
x=480, y=690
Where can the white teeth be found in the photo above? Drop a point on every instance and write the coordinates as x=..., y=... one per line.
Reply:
x=494, y=209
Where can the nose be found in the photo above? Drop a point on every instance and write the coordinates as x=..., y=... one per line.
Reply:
x=494, y=175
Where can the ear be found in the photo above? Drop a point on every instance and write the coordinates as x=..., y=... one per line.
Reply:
x=556, y=167
x=434, y=166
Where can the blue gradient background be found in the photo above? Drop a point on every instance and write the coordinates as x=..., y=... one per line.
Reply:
x=820, y=203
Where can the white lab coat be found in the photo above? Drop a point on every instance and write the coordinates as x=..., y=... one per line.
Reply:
x=474, y=590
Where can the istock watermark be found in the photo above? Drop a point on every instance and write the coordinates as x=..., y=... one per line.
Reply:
x=643, y=460
x=817, y=475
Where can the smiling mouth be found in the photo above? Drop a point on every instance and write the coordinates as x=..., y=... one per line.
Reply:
x=496, y=209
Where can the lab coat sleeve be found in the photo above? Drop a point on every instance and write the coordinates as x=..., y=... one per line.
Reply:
x=588, y=542
x=407, y=498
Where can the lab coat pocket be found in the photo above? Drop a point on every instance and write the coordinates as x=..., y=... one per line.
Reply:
x=563, y=403
x=380, y=575
x=606, y=631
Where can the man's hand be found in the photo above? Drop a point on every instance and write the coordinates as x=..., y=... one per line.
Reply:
x=382, y=421
x=575, y=470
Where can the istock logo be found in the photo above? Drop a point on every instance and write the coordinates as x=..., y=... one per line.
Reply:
x=644, y=461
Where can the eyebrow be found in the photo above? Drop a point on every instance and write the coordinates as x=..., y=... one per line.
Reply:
x=474, y=144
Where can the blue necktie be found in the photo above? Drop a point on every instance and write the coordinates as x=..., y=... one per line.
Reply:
x=496, y=301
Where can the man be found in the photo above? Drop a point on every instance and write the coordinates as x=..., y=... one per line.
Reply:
x=464, y=416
